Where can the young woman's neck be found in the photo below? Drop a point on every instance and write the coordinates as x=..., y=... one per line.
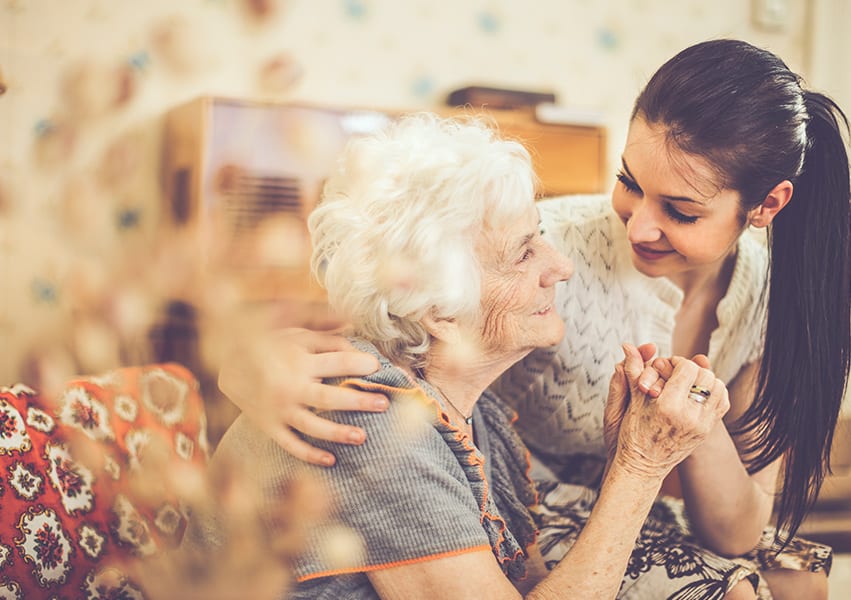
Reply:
x=711, y=279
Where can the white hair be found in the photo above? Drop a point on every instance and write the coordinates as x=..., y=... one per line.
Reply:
x=394, y=234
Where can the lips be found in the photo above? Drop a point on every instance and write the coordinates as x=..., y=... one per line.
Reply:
x=650, y=253
x=544, y=310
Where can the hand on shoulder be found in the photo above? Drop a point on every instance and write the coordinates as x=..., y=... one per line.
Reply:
x=277, y=383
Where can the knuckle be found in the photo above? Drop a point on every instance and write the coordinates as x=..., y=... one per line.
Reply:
x=327, y=397
x=292, y=444
x=296, y=420
x=297, y=333
x=319, y=396
x=344, y=435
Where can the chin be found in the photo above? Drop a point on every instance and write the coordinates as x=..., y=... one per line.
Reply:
x=650, y=270
x=553, y=335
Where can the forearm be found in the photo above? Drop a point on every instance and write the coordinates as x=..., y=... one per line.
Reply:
x=727, y=507
x=594, y=566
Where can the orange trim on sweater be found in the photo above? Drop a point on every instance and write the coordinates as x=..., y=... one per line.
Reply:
x=410, y=561
x=465, y=440
x=460, y=436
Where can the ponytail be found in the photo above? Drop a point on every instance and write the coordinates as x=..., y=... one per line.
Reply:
x=805, y=362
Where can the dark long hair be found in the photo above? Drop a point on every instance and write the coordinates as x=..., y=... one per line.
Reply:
x=742, y=109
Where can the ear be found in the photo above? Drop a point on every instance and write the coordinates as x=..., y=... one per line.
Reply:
x=441, y=328
x=774, y=202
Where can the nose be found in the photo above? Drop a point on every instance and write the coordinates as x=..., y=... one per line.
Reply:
x=560, y=268
x=642, y=223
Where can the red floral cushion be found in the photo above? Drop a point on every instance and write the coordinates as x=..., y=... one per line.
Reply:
x=71, y=509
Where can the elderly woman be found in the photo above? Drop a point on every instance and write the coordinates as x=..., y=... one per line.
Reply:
x=428, y=241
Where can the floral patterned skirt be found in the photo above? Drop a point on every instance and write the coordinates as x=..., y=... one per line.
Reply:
x=668, y=561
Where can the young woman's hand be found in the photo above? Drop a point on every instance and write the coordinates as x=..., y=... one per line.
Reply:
x=277, y=383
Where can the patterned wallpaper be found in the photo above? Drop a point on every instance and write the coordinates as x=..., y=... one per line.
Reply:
x=87, y=82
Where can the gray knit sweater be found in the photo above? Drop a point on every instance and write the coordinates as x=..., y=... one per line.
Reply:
x=418, y=488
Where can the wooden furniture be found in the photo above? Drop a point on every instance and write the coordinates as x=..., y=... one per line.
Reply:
x=569, y=159
x=238, y=174
x=240, y=177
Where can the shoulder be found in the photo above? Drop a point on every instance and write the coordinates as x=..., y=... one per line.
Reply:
x=747, y=292
x=753, y=251
x=742, y=311
x=410, y=433
x=410, y=419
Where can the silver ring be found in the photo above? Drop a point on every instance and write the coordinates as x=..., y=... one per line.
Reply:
x=699, y=393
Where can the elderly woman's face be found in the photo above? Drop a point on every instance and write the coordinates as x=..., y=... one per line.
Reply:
x=519, y=273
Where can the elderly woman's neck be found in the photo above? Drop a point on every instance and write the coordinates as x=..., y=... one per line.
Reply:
x=463, y=381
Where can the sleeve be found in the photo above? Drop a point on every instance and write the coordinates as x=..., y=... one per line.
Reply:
x=401, y=497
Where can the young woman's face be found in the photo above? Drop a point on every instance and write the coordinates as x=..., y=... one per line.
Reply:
x=677, y=220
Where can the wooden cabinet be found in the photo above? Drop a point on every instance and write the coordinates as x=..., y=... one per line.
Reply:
x=569, y=159
x=239, y=177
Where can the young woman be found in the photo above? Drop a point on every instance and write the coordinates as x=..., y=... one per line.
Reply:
x=724, y=140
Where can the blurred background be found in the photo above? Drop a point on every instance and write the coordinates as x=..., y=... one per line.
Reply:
x=88, y=85
x=141, y=144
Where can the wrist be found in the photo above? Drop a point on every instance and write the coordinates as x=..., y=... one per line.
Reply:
x=632, y=473
x=627, y=494
x=638, y=467
x=716, y=443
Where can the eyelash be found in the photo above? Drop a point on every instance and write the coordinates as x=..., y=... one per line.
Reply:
x=678, y=216
x=672, y=212
x=628, y=183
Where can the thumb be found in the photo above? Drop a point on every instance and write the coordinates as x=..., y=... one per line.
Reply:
x=633, y=365
x=616, y=406
x=618, y=396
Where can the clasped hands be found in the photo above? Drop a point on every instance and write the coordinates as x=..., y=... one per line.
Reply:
x=651, y=423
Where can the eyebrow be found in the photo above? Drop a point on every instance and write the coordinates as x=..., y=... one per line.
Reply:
x=526, y=239
x=665, y=196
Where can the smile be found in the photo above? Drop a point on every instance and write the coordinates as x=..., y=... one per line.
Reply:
x=649, y=253
x=544, y=310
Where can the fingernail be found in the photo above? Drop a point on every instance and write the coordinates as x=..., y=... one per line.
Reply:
x=356, y=437
x=380, y=403
x=645, y=385
x=327, y=460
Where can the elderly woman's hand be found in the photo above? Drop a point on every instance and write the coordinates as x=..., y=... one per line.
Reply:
x=277, y=383
x=651, y=380
x=656, y=434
